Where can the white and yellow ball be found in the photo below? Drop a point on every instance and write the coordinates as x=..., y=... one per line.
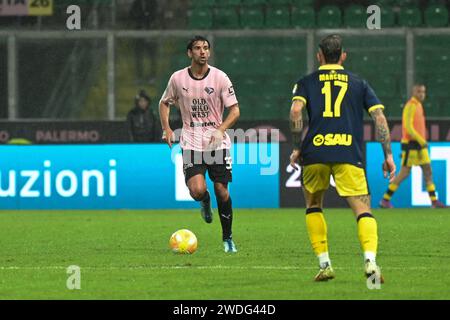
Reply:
x=183, y=241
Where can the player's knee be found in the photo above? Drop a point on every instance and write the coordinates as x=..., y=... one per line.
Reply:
x=197, y=192
x=221, y=192
x=315, y=202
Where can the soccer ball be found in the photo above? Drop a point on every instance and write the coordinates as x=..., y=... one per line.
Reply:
x=183, y=241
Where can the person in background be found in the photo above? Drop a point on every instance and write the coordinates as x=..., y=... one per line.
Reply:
x=414, y=148
x=142, y=122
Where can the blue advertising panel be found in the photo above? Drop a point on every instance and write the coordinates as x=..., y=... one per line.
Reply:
x=128, y=176
x=412, y=192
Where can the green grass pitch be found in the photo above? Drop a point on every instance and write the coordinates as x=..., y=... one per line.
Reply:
x=125, y=255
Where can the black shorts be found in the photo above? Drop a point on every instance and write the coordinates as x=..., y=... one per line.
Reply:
x=218, y=164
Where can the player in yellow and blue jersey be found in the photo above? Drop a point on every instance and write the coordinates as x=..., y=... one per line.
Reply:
x=336, y=100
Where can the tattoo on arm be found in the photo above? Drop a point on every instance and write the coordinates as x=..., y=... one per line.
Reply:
x=382, y=133
x=296, y=124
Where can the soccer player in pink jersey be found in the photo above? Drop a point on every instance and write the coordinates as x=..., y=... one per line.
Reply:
x=202, y=92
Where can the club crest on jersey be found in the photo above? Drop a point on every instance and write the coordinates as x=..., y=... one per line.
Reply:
x=209, y=90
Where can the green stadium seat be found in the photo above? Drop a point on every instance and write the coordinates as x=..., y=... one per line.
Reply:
x=226, y=18
x=438, y=86
x=202, y=3
x=390, y=61
x=278, y=2
x=179, y=61
x=303, y=17
x=421, y=77
x=393, y=107
x=285, y=63
x=200, y=19
x=253, y=2
x=233, y=66
x=443, y=109
x=226, y=3
x=269, y=109
x=248, y=87
x=382, y=3
x=302, y=3
x=386, y=86
x=252, y=17
x=329, y=17
x=278, y=17
x=410, y=17
x=432, y=106
x=355, y=16
x=387, y=17
x=360, y=61
x=258, y=64
x=436, y=16
x=406, y=3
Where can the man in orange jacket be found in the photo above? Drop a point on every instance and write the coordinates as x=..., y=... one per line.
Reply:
x=414, y=148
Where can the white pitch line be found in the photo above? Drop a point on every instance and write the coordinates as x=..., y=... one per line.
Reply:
x=194, y=267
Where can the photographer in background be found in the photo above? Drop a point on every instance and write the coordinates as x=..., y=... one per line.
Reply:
x=142, y=122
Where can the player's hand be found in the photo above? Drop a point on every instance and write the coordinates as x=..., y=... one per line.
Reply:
x=216, y=139
x=295, y=157
x=389, y=168
x=167, y=136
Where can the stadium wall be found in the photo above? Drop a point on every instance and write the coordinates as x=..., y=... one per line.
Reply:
x=125, y=176
x=100, y=132
x=133, y=176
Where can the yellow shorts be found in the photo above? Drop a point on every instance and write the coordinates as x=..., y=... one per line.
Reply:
x=415, y=157
x=350, y=180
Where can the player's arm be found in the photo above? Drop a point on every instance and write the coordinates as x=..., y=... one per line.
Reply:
x=410, y=111
x=164, y=112
x=383, y=136
x=168, y=98
x=296, y=125
x=233, y=115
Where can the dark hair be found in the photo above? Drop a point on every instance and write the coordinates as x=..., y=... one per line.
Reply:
x=331, y=47
x=142, y=94
x=194, y=40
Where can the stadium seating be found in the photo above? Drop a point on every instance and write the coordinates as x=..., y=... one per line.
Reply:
x=303, y=17
x=253, y=2
x=203, y=3
x=355, y=16
x=278, y=2
x=407, y=3
x=257, y=14
x=226, y=18
x=258, y=65
x=383, y=3
x=387, y=17
x=229, y=2
x=436, y=16
x=200, y=19
x=278, y=17
x=251, y=62
x=301, y=3
x=329, y=17
x=410, y=17
x=252, y=17
x=393, y=107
